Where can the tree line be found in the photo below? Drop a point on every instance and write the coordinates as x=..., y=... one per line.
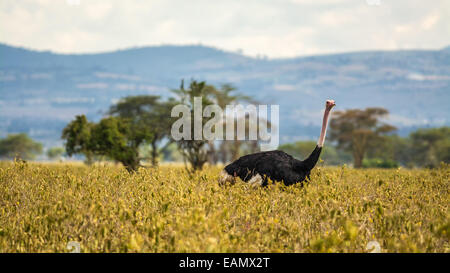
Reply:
x=363, y=138
x=138, y=128
x=143, y=123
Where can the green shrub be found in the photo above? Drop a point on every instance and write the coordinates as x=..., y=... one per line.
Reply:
x=379, y=163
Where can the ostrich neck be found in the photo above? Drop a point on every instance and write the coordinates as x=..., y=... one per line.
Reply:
x=323, y=132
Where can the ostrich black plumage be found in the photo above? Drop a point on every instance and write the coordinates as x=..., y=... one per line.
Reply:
x=277, y=165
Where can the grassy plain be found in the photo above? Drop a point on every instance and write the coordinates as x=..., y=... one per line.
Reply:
x=106, y=209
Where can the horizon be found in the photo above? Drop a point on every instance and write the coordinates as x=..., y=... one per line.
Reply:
x=218, y=49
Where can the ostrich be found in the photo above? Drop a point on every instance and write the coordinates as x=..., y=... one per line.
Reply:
x=256, y=168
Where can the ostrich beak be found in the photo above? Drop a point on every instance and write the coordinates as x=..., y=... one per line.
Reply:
x=330, y=104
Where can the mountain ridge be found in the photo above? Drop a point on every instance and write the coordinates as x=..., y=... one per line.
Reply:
x=132, y=48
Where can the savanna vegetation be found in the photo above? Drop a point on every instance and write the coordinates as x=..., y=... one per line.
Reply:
x=137, y=129
x=19, y=146
x=424, y=148
x=124, y=200
x=108, y=209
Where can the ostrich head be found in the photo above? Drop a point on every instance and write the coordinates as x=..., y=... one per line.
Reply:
x=329, y=104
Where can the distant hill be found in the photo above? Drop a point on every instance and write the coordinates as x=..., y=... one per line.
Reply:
x=41, y=91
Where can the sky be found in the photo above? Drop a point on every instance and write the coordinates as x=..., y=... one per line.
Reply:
x=275, y=28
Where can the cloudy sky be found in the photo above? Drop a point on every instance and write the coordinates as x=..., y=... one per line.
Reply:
x=275, y=28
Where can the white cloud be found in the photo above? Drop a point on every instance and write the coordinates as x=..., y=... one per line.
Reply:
x=403, y=28
x=335, y=19
x=107, y=75
x=430, y=21
x=284, y=87
x=406, y=121
x=97, y=11
x=420, y=77
x=281, y=28
x=93, y=85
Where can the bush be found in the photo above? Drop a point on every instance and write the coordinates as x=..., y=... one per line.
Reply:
x=379, y=163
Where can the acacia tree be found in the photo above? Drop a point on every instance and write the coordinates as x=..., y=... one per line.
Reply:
x=429, y=147
x=149, y=119
x=19, y=146
x=230, y=150
x=113, y=137
x=194, y=152
x=77, y=135
x=55, y=152
x=357, y=130
x=134, y=121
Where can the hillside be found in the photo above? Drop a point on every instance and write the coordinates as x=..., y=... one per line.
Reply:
x=41, y=91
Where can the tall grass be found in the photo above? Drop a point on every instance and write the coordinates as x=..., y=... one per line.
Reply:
x=106, y=209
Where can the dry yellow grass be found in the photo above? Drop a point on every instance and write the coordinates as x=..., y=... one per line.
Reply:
x=106, y=209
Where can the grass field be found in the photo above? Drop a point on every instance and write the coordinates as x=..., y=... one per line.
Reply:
x=106, y=209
